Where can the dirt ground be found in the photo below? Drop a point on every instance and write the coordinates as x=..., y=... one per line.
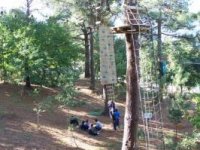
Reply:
x=19, y=131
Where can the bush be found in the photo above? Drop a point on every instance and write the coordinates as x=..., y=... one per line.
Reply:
x=67, y=96
x=195, y=119
x=170, y=144
x=96, y=112
x=187, y=143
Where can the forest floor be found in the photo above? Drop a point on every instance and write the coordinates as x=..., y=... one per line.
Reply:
x=19, y=131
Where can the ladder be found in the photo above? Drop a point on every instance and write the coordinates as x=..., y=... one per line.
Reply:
x=150, y=105
x=152, y=114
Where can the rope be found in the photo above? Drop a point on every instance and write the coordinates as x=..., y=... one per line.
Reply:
x=145, y=121
x=147, y=84
x=137, y=69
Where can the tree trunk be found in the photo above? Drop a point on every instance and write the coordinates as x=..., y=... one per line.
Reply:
x=87, y=56
x=132, y=95
x=43, y=81
x=27, y=77
x=181, y=87
x=4, y=69
x=26, y=64
x=105, y=97
x=28, y=5
x=159, y=21
x=92, y=80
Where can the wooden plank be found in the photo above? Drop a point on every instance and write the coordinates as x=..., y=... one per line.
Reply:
x=129, y=29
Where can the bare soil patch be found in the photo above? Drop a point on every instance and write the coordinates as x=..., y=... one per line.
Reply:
x=18, y=128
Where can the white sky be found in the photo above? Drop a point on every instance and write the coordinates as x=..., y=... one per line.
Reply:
x=37, y=4
x=195, y=6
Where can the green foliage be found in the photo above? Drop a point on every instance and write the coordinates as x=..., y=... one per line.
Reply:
x=120, y=89
x=42, y=50
x=177, y=108
x=183, y=103
x=170, y=144
x=68, y=94
x=188, y=143
x=195, y=119
x=178, y=48
x=120, y=57
x=46, y=104
x=96, y=112
x=141, y=134
x=34, y=93
x=181, y=72
x=175, y=115
x=67, y=97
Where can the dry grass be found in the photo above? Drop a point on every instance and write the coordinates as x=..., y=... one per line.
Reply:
x=18, y=128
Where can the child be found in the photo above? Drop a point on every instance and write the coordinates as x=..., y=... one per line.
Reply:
x=92, y=130
x=98, y=125
x=74, y=121
x=111, y=108
x=116, y=117
x=84, y=125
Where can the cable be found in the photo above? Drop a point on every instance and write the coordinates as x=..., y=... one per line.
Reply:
x=147, y=93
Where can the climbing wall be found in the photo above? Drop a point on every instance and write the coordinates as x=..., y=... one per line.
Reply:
x=107, y=56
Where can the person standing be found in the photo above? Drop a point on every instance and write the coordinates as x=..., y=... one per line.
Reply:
x=111, y=108
x=116, y=119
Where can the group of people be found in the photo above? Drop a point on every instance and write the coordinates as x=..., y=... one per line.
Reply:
x=114, y=114
x=92, y=129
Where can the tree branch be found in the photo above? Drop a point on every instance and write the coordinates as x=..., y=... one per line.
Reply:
x=177, y=36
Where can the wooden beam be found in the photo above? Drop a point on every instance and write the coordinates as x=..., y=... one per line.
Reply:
x=128, y=29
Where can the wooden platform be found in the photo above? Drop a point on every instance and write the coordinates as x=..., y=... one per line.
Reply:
x=128, y=30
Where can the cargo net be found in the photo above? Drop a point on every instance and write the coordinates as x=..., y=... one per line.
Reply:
x=151, y=121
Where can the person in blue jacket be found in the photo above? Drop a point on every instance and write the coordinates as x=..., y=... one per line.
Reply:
x=116, y=119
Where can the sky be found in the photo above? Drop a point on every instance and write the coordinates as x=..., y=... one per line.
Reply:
x=195, y=6
x=39, y=4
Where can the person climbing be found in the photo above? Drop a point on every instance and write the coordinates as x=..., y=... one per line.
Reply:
x=116, y=119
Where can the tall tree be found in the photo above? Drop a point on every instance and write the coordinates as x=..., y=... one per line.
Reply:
x=160, y=55
x=50, y=52
x=92, y=71
x=131, y=117
x=87, y=52
x=26, y=61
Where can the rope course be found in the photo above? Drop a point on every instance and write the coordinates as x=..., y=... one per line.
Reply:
x=107, y=62
x=150, y=105
x=151, y=114
x=151, y=121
